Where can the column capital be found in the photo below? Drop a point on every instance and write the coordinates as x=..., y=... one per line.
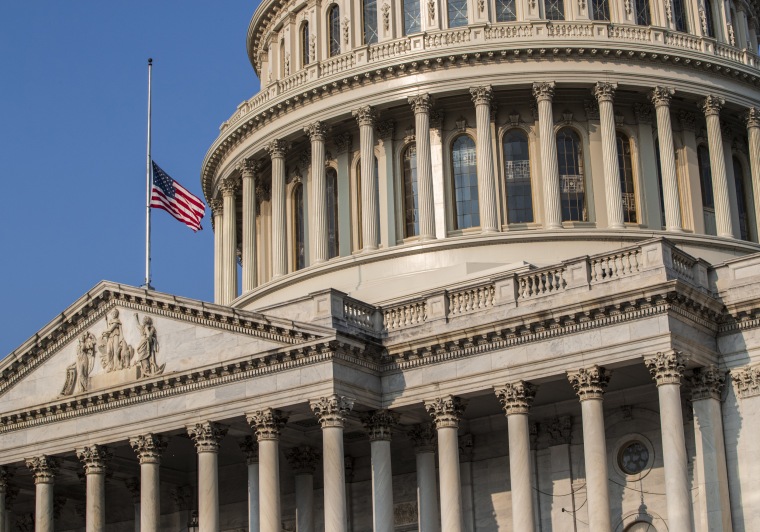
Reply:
x=344, y=143
x=753, y=117
x=206, y=436
x=604, y=91
x=249, y=167
x=688, y=120
x=712, y=105
x=229, y=186
x=379, y=424
x=424, y=437
x=446, y=411
x=544, y=90
x=421, y=103
x=267, y=424
x=217, y=206
x=5, y=476
x=133, y=485
x=746, y=381
x=365, y=116
x=332, y=410
x=662, y=95
x=589, y=383
x=43, y=468
x=666, y=367
x=516, y=397
x=94, y=458
x=11, y=492
x=481, y=95
x=386, y=129
x=707, y=383
x=250, y=448
x=302, y=460
x=148, y=447
x=317, y=131
x=277, y=148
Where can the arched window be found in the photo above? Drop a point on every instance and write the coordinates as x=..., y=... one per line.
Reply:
x=626, y=178
x=412, y=17
x=554, y=9
x=360, y=240
x=333, y=26
x=506, y=10
x=658, y=165
x=411, y=201
x=517, y=177
x=299, y=232
x=741, y=199
x=333, y=241
x=600, y=10
x=572, y=181
x=709, y=19
x=305, y=44
x=369, y=15
x=643, y=13
x=457, y=13
x=282, y=59
x=706, y=186
x=679, y=15
x=465, y=173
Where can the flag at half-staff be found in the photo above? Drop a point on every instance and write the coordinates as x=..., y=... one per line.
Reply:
x=172, y=197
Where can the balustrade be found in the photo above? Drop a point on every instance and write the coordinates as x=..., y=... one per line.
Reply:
x=471, y=299
x=540, y=282
x=616, y=265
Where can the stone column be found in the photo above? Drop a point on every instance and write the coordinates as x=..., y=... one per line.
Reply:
x=544, y=94
x=5, y=476
x=605, y=95
x=710, y=463
x=44, y=469
x=276, y=150
x=133, y=485
x=753, y=134
x=317, y=133
x=379, y=425
x=206, y=437
x=424, y=438
x=229, y=186
x=94, y=459
x=589, y=384
x=489, y=212
x=667, y=370
x=267, y=425
x=216, y=210
x=516, y=399
x=11, y=492
x=148, y=448
x=446, y=412
x=661, y=97
x=711, y=106
x=248, y=169
x=366, y=117
x=250, y=448
x=303, y=462
x=466, y=451
x=331, y=412
x=421, y=105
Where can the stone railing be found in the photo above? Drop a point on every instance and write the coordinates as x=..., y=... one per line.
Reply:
x=336, y=65
x=471, y=299
x=294, y=81
x=570, y=29
x=359, y=314
x=616, y=265
x=404, y=315
x=386, y=50
x=448, y=37
x=537, y=283
x=683, y=265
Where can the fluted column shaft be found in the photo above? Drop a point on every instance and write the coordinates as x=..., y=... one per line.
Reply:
x=44, y=469
x=267, y=424
x=254, y=511
x=425, y=201
x=94, y=460
x=379, y=424
x=305, y=502
x=3, y=510
x=711, y=107
x=605, y=94
x=317, y=132
x=216, y=209
x=424, y=438
x=489, y=214
x=248, y=169
x=206, y=437
x=366, y=117
x=544, y=93
x=661, y=97
x=276, y=151
x=148, y=448
x=753, y=134
x=229, y=240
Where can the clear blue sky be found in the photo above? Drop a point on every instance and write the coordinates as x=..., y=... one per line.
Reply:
x=73, y=96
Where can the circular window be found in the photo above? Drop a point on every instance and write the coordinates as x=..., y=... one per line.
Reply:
x=633, y=457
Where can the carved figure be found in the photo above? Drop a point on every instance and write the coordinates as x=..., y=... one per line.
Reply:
x=115, y=352
x=147, y=349
x=78, y=373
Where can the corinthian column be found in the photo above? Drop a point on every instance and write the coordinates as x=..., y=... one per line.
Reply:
x=267, y=425
x=446, y=412
x=206, y=437
x=605, y=95
x=589, y=385
x=43, y=469
x=753, y=133
x=711, y=106
x=148, y=448
x=366, y=117
x=379, y=425
x=544, y=94
x=229, y=188
x=248, y=169
x=5, y=476
x=667, y=370
x=516, y=400
x=489, y=216
x=303, y=462
x=331, y=412
x=317, y=132
x=661, y=97
x=250, y=449
x=94, y=460
x=421, y=106
x=276, y=150
x=216, y=210
x=424, y=438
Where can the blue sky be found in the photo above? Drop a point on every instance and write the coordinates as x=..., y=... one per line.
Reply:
x=73, y=96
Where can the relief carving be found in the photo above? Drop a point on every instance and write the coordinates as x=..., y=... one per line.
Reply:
x=115, y=353
x=78, y=374
x=148, y=348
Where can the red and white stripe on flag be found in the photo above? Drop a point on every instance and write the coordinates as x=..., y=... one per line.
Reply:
x=184, y=206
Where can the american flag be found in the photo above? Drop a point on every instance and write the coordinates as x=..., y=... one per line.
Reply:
x=172, y=197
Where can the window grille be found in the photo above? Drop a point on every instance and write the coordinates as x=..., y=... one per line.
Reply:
x=457, y=13
x=506, y=10
x=517, y=177
x=412, y=17
x=370, y=21
x=464, y=166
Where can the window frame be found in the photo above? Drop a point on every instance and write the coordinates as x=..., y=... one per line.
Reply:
x=304, y=36
x=296, y=210
x=452, y=182
x=633, y=162
x=368, y=14
x=561, y=9
x=599, y=10
x=449, y=9
x=582, y=166
x=333, y=242
x=704, y=164
x=334, y=47
x=503, y=176
x=415, y=191
x=404, y=10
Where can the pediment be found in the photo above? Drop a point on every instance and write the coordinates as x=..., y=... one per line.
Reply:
x=117, y=336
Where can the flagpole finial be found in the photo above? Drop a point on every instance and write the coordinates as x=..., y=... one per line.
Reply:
x=150, y=60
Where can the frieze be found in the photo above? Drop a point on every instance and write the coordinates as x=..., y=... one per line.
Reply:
x=746, y=381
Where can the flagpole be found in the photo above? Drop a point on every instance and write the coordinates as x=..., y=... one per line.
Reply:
x=148, y=183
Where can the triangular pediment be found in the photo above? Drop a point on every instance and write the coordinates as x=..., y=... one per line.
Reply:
x=116, y=336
